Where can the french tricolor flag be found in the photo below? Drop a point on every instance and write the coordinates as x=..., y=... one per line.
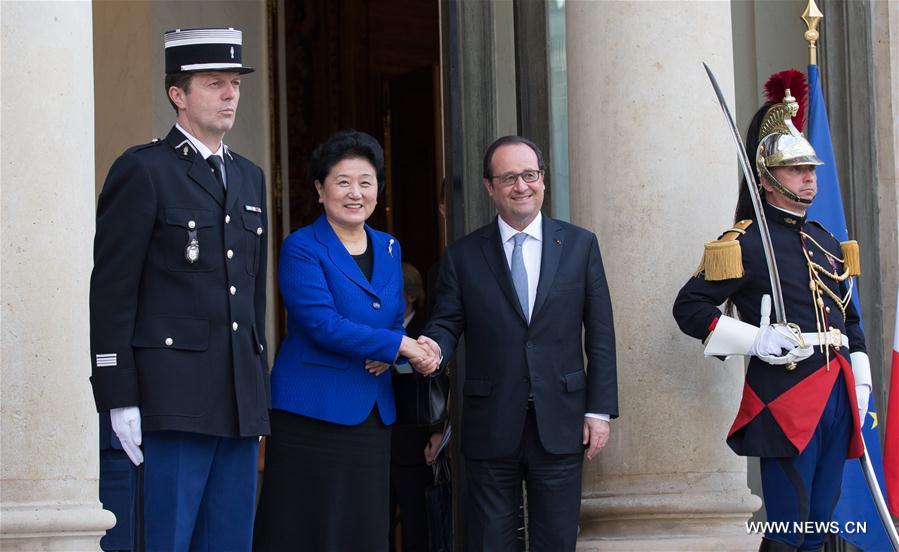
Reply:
x=891, y=440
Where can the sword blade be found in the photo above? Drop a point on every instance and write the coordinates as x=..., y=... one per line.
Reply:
x=780, y=312
x=874, y=487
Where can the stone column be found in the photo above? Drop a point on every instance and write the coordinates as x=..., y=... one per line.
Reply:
x=653, y=173
x=49, y=433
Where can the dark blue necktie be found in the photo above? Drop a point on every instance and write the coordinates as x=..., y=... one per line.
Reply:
x=218, y=168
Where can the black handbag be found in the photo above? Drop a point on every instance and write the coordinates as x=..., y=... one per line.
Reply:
x=436, y=400
x=420, y=400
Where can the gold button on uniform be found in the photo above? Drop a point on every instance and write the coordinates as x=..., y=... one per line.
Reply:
x=233, y=290
x=169, y=341
x=229, y=253
x=191, y=224
x=259, y=231
x=234, y=326
x=227, y=219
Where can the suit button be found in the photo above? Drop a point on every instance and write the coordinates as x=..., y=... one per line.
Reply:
x=227, y=219
x=234, y=326
x=229, y=253
x=191, y=224
x=376, y=305
x=261, y=347
x=169, y=341
x=232, y=290
x=259, y=231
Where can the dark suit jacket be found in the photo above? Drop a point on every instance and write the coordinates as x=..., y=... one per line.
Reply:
x=506, y=359
x=184, y=342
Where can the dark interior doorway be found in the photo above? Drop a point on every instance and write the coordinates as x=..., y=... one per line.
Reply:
x=372, y=65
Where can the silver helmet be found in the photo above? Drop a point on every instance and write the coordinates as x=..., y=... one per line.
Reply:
x=782, y=145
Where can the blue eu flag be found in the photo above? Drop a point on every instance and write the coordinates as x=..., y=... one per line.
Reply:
x=855, y=512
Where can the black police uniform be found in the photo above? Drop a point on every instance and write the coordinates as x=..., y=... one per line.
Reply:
x=184, y=341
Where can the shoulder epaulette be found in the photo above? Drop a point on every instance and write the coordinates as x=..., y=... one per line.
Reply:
x=851, y=257
x=722, y=259
x=154, y=142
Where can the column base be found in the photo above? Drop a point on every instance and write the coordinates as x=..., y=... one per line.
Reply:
x=47, y=526
x=748, y=543
x=678, y=521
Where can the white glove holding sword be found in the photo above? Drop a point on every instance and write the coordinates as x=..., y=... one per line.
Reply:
x=768, y=341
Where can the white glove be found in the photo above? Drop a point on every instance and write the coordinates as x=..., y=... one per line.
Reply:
x=126, y=424
x=770, y=341
x=861, y=371
x=734, y=337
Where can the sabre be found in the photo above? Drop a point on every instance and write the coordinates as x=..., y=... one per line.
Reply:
x=777, y=294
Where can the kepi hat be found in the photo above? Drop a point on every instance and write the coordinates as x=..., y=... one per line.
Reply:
x=194, y=50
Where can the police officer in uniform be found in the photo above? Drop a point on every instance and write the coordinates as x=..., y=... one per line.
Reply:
x=177, y=304
x=808, y=383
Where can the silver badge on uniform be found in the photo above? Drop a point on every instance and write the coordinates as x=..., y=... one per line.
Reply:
x=192, y=250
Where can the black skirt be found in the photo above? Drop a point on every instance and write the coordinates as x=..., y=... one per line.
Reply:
x=325, y=486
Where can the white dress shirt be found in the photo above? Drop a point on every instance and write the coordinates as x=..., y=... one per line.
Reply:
x=532, y=253
x=201, y=147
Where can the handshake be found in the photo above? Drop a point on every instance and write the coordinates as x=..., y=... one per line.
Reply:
x=424, y=354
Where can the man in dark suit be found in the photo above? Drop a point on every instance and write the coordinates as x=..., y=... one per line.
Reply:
x=530, y=295
x=178, y=307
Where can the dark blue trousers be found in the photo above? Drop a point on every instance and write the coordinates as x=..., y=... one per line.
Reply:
x=117, y=479
x=199, y=492
x=554, y=497
x=806, y=488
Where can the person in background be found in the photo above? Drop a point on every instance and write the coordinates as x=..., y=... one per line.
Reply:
x=415, y=436
x=327, y=462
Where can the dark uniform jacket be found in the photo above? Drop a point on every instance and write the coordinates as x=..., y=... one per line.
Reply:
x=507, y=359
x=780, y=408
x=183, y=341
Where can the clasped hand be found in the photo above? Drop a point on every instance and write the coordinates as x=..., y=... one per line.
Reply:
x=424, y=354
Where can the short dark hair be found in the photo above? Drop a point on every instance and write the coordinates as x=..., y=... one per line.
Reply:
x=346, y=144
x=181, y=80
x=413, y=287
x=508, y=141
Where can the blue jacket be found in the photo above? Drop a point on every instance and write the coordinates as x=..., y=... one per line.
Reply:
x=336, y=319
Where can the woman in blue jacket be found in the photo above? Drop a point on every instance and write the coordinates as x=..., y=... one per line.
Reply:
x=327, y=464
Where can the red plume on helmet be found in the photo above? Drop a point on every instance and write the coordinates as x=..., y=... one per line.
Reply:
x=776, y=87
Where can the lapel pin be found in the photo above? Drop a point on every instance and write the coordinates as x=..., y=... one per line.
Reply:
x=390, y=247
x=558, y=242
x=185, y=150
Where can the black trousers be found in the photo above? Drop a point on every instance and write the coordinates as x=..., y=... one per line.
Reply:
x=325, y=486
x=553, y=483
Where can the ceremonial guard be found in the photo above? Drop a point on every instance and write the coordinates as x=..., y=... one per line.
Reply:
x=808, y=381
x=177, y=305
